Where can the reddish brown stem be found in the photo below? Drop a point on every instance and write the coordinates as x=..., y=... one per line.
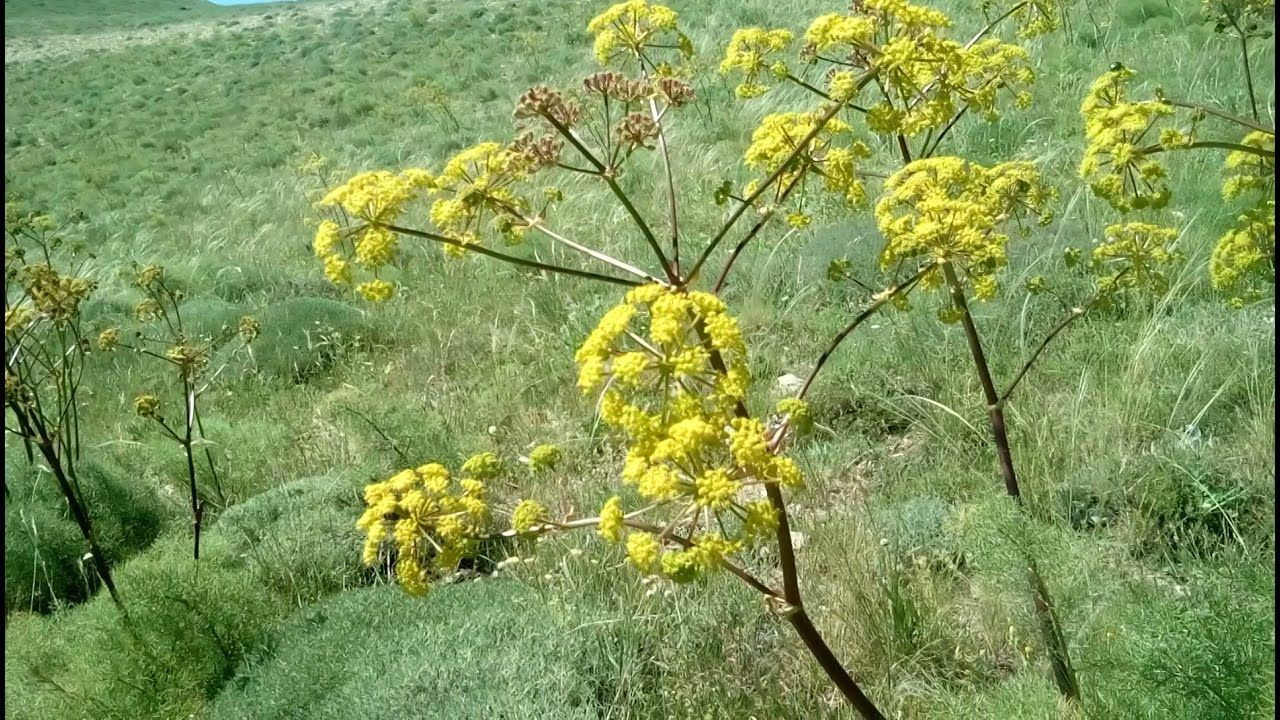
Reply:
x=45, y=444
x=995, y=412
x=1059, y=657
x=755, y=230
x=839, y=676
x=794, y=606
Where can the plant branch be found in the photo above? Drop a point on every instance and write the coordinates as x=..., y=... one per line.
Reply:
x=197, y=507
x=672, y=214
x=1076, y=314
x=1059, y=657
x=862, y=317
x=994, y=412
x=1248, y=71
x=769, y=181
x=1214, y=144
x=482, y=250
x=755, y=229
x=821, y=652
x=1218, y=112
x=649, y=237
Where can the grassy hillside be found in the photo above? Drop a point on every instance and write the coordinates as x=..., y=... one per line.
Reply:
x=1145, y=436
x=29, y=19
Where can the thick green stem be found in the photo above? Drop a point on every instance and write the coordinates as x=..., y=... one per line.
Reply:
x=1248, y=76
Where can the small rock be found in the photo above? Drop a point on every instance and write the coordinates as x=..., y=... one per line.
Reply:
x=790, y=383
x=797, y=540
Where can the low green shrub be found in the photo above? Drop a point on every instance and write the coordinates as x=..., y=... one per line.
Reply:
x=43, y=546
x=299, y=539
x=484, y=650
x=1200, y=646
x=188, y=626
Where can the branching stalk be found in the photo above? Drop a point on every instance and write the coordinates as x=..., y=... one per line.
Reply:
x=1059, y=657
x=1218, y=112
x=482, y=250
x=770, y=180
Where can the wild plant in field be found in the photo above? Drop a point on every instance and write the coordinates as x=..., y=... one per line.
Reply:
x=188, y=355
x=706, y=477
x=45, y=346
x=1246, y=20
x=1126, y=139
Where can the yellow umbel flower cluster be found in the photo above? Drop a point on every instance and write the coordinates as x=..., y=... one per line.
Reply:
x=544, y=457
x=1036, y=17
x=673, y=386
x=926, y=77
x=1117, y=164
x=1249, y=172
x=53, y=295
x=474, y=193
x=832, y=153
x=934, y=76
x=748, y=52
x=950, y=210
x=378, y=198
x=428, y=520
x=840, y=33
x=1135, y=255
x=1243, y=261
x=628, y=29
x=476, y=185
x=528, y=515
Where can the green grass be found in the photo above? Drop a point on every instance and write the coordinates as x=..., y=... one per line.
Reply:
x=25, y=19
x=1158, y=541
x=449, y=656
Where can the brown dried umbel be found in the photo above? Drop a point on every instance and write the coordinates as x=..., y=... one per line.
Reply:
x=189, y=359
x=602, y=82
x=545, y=102
x=619, y=87
x=56, y=296
x=637, y=129
x=541, y=151
x=674, y=90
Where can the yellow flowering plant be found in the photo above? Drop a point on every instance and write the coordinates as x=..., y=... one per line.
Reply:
x=1125, y=141
x=164, y=336
x=705, y=477
x=45, y=346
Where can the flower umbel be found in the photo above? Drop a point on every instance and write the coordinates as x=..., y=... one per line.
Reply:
x=427, y=522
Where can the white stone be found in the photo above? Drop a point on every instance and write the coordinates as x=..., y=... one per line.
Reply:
x=790, y=383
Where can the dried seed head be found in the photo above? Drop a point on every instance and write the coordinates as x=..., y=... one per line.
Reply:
x=637, y=129
x=675, y=91
x=542, y=101
x=632, y=90
x=602, y=82
x=539, y=151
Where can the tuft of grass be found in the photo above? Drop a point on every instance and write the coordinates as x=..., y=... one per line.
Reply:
x=43, y=546
x=299, y=539
x=188, y=625
x=376, y=652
